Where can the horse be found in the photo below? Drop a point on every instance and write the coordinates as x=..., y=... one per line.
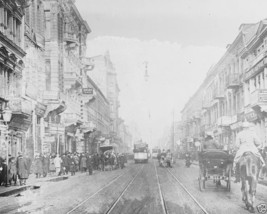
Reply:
x=250, y=166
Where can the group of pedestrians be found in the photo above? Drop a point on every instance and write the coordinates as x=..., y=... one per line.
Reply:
x=51, y=164
x=165, y=159
x=71, y=163
x=17, y=168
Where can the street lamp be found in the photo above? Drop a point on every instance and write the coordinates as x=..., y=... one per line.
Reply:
x=7, y=114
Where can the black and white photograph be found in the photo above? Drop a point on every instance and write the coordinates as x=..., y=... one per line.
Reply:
x=133, y=106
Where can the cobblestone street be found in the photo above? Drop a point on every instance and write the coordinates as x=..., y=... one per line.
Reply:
x=134, y=189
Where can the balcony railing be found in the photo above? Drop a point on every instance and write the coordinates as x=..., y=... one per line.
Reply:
x=224, y=121
x=218, y=94
x=206, y=104
x=20, y=106
x=256, y=65
x=258, y=97
x=197, y=114
x=233, y=80
x=71, y=117
x=70, y=37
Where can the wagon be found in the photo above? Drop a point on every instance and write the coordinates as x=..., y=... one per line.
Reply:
x=215, y=165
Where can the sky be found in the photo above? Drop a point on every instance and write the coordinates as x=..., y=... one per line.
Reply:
x=180, y=39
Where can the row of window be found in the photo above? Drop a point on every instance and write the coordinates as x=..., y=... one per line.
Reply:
x=10, y=26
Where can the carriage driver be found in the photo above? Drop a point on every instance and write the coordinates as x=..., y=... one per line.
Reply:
x=246, y=141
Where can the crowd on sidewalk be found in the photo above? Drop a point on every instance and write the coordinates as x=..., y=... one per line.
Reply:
x=56, y=165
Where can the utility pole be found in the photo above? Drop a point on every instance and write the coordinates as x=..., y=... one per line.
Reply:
x=173, y=131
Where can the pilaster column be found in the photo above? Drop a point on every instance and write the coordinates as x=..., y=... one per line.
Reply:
x=34, y=120
x=42, y=134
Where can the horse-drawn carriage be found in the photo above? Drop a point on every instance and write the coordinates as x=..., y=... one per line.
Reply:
x=216, y=165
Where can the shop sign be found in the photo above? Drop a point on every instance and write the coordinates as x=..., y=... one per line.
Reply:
x=251, y=116
x=88, y=91
x=40, y=109
x=49, y=139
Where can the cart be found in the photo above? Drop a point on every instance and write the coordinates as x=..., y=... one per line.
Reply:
x=216, y=165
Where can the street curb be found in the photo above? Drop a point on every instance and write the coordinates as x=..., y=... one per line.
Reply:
x=19, y=189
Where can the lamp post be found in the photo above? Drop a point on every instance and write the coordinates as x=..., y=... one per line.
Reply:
x=7, y=114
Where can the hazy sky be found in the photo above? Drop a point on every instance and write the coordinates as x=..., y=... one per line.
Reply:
x=180, y=39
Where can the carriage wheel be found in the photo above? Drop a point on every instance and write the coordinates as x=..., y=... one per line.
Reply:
x=228, y=185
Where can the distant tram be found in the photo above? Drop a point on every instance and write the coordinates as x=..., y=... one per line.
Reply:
x=140, y=152
x=155, y=152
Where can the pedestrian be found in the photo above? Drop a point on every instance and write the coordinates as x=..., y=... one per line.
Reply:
x=57, y=163
x=12, y=168
x=23, y=168
x=38, y=166
x=46, y=164
x=65, y=165
x=52, y=168
x=89, y=164
x=76, y=159
x=169, y=158
x=72, y=165
x=83, y=163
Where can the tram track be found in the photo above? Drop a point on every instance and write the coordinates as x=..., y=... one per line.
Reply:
x=203, y=209
x=162, y=200
x=79, y=205
x=113, y=205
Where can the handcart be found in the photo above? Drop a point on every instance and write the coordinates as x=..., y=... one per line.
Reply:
x=216, y=165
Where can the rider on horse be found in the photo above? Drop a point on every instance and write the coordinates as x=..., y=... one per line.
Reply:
x=246, y=141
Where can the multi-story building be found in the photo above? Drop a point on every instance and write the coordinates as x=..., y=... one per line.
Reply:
x=232, y=92
x=104, y=75
x=126, y=139
x=65, y=46
x=95, y=115
x=11, y=69
x=34, y=74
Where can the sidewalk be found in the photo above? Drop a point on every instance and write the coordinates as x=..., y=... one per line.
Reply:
x=32, y=183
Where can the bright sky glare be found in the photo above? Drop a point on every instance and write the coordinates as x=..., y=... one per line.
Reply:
x=180, y=39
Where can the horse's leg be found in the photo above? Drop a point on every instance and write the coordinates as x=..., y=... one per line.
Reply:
x=253, y=187
x=243, y=190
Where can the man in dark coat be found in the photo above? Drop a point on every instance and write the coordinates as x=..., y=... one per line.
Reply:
x=46, y=164
x=65, y=164
x=38, y=165
x=23, y=167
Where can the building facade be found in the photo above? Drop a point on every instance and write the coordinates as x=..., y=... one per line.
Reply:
x=232, y=92
x=65, y=41
x=12, y=137
x=105, y=76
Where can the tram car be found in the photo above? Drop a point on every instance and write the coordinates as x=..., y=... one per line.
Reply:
x=215, y=165
x=141, y=152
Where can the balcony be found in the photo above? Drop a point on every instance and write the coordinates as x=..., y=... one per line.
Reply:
x=257, y=65
x=197, y=114
x=233, y=81
x=71, y=118
x=258, y=98
x=218, y=94
x=20, y=106
x=224, y=121
x=70, y=37
x=21, y=113
x=206, y=104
